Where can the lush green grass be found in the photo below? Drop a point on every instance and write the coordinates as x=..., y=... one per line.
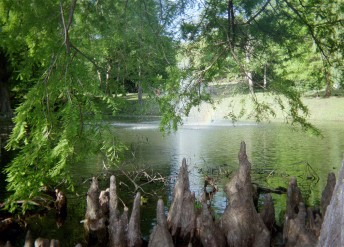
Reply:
x=320, y=108
x=327, y=109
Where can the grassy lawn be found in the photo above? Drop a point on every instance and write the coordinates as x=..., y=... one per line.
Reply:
x=320, y=108
x=330, y=109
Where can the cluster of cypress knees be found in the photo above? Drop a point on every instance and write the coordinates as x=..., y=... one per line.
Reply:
x=239, y=226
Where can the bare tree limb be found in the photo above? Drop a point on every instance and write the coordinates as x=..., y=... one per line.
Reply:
x=87, y=57
x=71, y=13
x=231, y=23
x=67, y=42
x=66, y=37
x=66, y=27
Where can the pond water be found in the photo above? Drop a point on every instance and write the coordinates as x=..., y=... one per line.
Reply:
x=275, y=151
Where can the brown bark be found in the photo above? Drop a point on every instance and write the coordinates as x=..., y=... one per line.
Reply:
x=61, y=203
x=231, y=24
x=314, y=222
x=5, y=74
x=328, y=90
x=95, y=222
x=160, y=235
x=331, y=231
x=293, y=199
x=118, y=230
x=134, y=232
x=42, y=242
x=208, y=232
x=8, y=244
x=181, y=216
x=104, y=198
x=113, y=201
x=327, y=193
x=248, y=72
x=107, y=78
x=240, y=222
x=295, y=233
x=268, y=212
x=140, y=93
x=54, y=243
x=92, y=204
x=118, y=224
x=28, y=240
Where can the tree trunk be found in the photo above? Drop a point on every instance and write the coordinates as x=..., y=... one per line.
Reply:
x=5, y=75
x=328, y=90
x=265, y=80
x=5, y=103
x=247, y=71
x=295, y=232
x=108, y=74
x=100, y=79
x=231, y=24
x=139, y=89
x=139, y=93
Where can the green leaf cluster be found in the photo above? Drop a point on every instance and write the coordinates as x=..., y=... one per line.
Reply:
x=73, y=61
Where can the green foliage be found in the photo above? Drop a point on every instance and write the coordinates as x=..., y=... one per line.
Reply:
x=293, y=46
x=70, y=58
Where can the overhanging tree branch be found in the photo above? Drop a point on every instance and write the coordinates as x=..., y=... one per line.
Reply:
x=67, y=42
x=231, y=24
x=258, y=13
x=66, y=37
x=86, y=56
x=71, y=13
x=310, y=29
x=66, y=27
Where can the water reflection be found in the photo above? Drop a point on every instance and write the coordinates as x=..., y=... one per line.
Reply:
x=276, y=152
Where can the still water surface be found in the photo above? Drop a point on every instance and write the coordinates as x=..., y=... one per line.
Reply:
x=276, y=152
